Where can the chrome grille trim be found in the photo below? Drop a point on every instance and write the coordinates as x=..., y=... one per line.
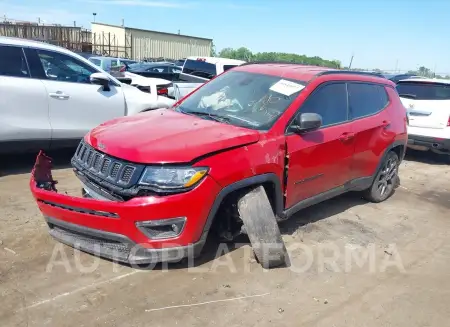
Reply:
x=105, y=167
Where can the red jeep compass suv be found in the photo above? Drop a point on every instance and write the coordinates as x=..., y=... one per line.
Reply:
x=157, y=183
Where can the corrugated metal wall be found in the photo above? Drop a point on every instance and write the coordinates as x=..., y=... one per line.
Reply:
x=148, y=44
x=110, y=41
x=140, y=44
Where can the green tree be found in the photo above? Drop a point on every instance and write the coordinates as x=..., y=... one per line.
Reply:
x=422, y=71
x=243, y=53
x=213, y=50
x=227, y=53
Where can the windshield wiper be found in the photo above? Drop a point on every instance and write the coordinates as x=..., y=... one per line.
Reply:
x=213, y=116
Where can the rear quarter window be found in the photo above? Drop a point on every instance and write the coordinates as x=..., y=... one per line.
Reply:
x=199, y=68
x=424, y=91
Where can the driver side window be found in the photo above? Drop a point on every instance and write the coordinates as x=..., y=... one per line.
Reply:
x=64, y=68
x=330, y=102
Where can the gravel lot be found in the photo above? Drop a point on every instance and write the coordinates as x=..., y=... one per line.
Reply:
x=404, y=282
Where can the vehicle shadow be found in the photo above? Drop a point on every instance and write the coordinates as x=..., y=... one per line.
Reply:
x=213, y=248
x=427, y=157
x=321, y=211
x=16, y=164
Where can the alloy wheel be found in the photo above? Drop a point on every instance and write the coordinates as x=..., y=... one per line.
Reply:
x=387, y=177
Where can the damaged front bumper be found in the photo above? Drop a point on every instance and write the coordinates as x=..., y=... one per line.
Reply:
x=136, y=231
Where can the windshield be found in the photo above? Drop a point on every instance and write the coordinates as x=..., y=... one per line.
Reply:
x=243, y=99
x=424, y=91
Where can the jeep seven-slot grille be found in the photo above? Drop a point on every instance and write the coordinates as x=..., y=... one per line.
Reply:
x=105, y=167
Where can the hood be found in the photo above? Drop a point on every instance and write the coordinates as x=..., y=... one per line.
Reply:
x=166, y=136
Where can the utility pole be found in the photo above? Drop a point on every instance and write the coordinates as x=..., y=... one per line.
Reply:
x=396, y=66
x=434, y=71
x=351, y=60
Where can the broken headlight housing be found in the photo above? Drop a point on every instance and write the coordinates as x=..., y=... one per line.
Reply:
x=172, y=178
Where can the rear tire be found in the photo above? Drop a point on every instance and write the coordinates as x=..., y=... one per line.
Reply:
x=262, y=228
x=386, y=180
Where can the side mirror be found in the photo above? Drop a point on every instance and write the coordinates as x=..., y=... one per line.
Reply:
x=306, y=122
x=100, y=79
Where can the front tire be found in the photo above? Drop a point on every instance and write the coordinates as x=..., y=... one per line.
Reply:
x=386, y=180
x=262, y=229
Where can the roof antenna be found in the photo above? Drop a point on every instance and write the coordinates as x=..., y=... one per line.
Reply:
x=351, y=61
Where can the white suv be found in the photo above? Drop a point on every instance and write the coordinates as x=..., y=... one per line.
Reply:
x=427, y=102
x=51, y=97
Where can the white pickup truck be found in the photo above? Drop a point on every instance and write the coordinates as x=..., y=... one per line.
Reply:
x=51, y=97
x=199, y=70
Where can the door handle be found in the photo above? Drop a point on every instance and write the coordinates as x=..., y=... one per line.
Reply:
x=347, y=136
x=59, y=95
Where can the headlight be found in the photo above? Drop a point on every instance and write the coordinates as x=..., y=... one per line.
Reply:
x=172, y=178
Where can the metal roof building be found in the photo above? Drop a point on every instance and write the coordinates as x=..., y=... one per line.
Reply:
x=141, y=44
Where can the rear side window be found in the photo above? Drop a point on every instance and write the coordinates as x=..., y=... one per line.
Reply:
x=12, y=62
x=199, y=68
x=424, y=91
x=366, y=99
x=159, y=69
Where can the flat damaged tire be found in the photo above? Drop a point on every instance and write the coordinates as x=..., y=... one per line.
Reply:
x=262, y=228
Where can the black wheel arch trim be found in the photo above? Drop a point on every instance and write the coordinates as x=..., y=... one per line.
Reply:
x=250, y=181
x=393, y=145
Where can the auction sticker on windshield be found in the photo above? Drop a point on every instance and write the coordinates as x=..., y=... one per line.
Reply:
x=286, y=87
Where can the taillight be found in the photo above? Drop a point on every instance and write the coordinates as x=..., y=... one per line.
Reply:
x=163, y=91
x=448, y=122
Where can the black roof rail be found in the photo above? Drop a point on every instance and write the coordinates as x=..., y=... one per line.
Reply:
x=352, y=72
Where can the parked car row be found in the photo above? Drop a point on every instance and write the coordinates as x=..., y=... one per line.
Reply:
x=51, y=97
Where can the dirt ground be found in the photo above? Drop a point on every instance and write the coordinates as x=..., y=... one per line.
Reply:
x=403, y=280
